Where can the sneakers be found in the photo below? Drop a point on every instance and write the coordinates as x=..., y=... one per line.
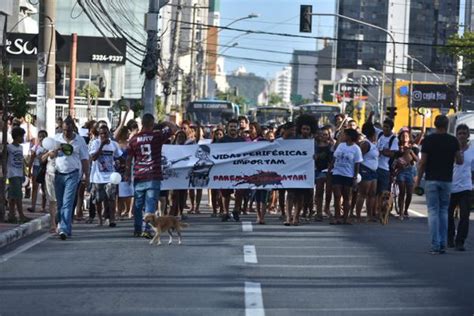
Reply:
x=147, y=235
x=137, y=234
x=62, y=235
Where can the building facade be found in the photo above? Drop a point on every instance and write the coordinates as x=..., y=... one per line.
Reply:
x=308, y=69
x=424, y=24
x=281, y=85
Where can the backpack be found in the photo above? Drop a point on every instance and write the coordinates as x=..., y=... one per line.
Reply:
x=390, y=143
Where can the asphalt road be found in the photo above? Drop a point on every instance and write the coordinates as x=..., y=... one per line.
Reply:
x=238, y=269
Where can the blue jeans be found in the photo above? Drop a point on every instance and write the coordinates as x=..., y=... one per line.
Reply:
x=146, y=196
x=65, y=186
x=437, y=200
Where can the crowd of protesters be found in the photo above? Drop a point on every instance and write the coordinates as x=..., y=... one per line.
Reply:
x=354, y=165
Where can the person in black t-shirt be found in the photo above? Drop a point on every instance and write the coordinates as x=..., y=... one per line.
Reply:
x=438, y=154
x=232, y=136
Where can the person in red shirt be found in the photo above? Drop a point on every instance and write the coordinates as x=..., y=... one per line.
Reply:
x=144, y=149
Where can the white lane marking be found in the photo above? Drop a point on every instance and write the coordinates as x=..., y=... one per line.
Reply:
x=253, y=299
x=250, y=254
x=365, y=309
x=24, y=247
x=316, y=247
x=247, y=227
x=417, y=213
x=318, y=256
x=316, y=266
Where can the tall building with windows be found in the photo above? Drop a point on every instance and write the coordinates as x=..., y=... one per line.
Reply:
x=469, y=16
x=281, y=85
x=425, y=24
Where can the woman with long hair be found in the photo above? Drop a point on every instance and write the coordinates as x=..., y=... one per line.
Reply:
x=404, y=168
x=368, y=171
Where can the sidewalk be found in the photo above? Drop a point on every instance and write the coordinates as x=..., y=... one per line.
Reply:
x=10, y=233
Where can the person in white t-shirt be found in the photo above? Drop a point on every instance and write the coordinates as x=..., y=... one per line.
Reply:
x=15, y=175
x=461, y=192
x=387, y=144
x=345, y=168
x=103, y=153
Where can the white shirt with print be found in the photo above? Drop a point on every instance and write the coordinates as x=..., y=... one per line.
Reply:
x=383, y=143
x=104, y=165
x=345, y=158
x=15, y=161
x=68, y=164
x=462, y=173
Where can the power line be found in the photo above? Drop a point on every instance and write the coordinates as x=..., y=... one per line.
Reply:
x=322, y=37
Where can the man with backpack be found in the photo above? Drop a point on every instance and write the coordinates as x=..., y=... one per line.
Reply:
x=387, y=144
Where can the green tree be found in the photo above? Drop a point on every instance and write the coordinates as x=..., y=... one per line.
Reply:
x=461, y=45
x=229, y=96
x=91, y=92
x=275, y=99
x=13, y=96
x=18, y=94
x=160, y=110
x=297, y=99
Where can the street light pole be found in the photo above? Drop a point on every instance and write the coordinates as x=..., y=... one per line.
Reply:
x=392, y=112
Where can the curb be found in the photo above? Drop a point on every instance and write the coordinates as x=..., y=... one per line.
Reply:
x=24, y=230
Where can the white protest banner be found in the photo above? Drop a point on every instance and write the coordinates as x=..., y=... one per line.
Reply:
x=242, y=165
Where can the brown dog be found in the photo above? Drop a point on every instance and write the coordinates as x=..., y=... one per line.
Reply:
x=164, y=223
x=386, y=205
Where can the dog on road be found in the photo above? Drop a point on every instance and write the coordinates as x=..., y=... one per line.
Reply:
x=164, y=223
x=386, y=205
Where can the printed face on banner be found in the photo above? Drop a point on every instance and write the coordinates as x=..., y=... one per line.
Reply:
x=257, y=165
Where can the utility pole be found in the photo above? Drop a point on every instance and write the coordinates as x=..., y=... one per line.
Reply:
x=459, y=66
x=410, y=101
x=72, y=75
x=46, y=99
x=192, y=61
x=4, y=118
x=172, y=67
x=150, y=63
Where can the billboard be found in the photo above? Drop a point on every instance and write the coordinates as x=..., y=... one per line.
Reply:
x=433, y=96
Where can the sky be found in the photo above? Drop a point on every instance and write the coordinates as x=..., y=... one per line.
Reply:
x=280, y=16
x=274, y=16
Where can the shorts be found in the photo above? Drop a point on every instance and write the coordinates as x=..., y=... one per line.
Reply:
x=36, y=170
x=383, y=180
x=102, y=192
x=406, y=176
x=320, y=175
x=50, y=190
x=342, y=180
x=226, y=192
x=14, y=188
x=261, y=196
x=367, y=174
x=125, y=189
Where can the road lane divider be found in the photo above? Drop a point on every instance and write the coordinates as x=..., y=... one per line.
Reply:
x=253, y=299
x=250, y=254
x=247, y=227
x=417, y=213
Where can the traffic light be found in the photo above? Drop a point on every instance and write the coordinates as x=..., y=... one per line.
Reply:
x=306, y=18
x=391, y=111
